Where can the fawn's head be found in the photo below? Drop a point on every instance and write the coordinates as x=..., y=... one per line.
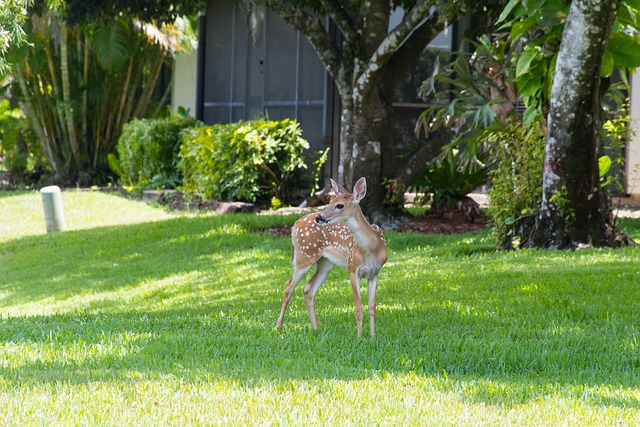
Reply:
x=344, y=204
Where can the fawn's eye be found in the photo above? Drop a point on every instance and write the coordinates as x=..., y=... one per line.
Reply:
x=340, y=206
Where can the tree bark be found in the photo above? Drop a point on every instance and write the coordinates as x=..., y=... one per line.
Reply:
x=573, y=211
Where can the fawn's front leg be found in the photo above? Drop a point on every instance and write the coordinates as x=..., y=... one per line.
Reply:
x=355, y=287
x=372, y=284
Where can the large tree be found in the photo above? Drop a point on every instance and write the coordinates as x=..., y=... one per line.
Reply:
x=367, y=59
x=574, y=210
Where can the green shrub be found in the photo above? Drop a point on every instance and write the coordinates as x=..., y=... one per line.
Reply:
x=246, y=161
x=516, y=191
x=448, y=181
x=148, y=152
x=20, y=154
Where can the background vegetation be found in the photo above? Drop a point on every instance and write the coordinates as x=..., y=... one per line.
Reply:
x=140, y=317
x=83, y=76
x=148, y=152
x=245, y=160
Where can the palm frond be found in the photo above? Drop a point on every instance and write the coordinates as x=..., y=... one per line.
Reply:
x=110, y=44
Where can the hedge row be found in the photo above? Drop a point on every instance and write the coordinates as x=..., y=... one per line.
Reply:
x=246, y=161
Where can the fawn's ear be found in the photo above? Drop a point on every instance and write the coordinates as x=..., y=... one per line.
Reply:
x=337, y=188
x=360, y=189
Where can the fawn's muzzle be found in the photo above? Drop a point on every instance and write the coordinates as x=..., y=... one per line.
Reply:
x=320, y=219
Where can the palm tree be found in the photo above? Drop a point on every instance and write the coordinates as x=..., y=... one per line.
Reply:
x=80, y=83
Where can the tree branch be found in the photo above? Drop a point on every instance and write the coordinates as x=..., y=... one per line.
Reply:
x=311, y=26
x=406, y=56
x=336, y=11
x=391, y=43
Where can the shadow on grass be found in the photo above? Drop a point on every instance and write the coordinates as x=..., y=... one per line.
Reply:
x=198, y=299
x=114, y=263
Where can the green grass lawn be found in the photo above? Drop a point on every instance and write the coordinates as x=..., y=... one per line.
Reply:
x=136, y=316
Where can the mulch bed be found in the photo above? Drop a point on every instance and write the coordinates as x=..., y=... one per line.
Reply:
x=453, y=223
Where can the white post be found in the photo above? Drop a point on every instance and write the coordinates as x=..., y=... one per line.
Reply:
x=52, y=204
x=632, y=164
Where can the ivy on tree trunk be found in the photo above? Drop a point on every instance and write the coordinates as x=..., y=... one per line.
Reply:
x=574, y=211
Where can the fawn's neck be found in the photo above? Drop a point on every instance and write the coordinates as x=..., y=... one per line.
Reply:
x=366, y=238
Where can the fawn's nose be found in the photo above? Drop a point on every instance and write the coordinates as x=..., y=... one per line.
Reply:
x=320, y=219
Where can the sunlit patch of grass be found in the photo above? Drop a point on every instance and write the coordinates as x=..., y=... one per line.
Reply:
x=153, y=318
x=23, y=215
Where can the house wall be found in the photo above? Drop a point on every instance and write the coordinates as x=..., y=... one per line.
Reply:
x=633, y=150
x=258, y=65
x=183, y=91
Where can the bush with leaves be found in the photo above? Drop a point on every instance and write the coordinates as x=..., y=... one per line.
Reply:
x=20, y=155
x=245, y=161
x=449, y=183
x=516, y=191
x=148, y=152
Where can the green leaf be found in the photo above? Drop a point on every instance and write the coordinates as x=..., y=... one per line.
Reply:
x=530, y=87
x=604, y=165
x=110, y=43
x=533, y=6
x=607, y=65
x=625, y=50
x=632, y=3
x=524, y=62
x=531, y=114
x=521, y=27
x=627, y=15
x=507, y=10
x=553, y=12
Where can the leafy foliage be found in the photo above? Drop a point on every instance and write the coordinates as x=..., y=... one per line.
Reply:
x=465, y=88
x=535, y=31
x=472, y=93
x=110, y=42
x=243, y=161
x=478, y=94
x=12, y=17
x=516, y=62
x=473, y=96
x=20, y=155
x=516, y=190
x=448, y=182
x=160, y=11
x=78, y=101
x=323, y=156
x=148, y=152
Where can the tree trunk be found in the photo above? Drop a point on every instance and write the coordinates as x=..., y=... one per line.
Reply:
x=573, y=211
x=67, y=101
x=368, y=122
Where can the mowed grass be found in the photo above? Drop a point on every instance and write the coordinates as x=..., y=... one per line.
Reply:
x=136, y=316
